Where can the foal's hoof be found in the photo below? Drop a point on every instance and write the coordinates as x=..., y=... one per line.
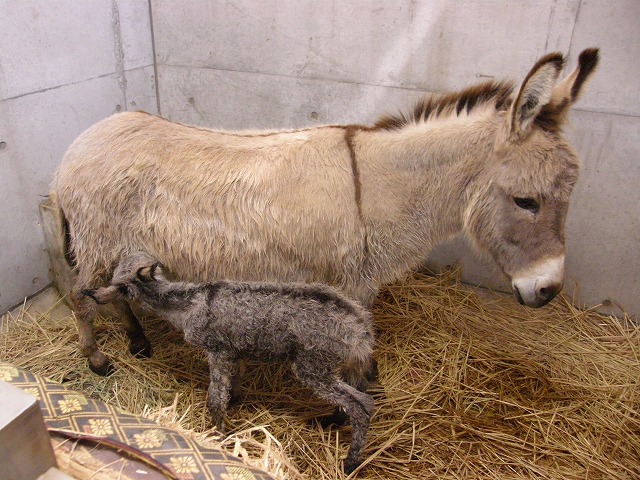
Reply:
x=350, y=465
x=337, y=418
x=218, y=421
x=140, y=348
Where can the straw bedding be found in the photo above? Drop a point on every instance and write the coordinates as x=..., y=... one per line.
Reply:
x=474, y=387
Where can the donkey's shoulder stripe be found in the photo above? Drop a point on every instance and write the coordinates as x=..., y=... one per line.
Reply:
x=349, y=133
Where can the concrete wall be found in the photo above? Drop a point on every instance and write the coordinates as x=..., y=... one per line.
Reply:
x=293, y=63
x=273, y=63
x=63, y=66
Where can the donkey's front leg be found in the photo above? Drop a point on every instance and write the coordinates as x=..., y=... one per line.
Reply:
x=222, y=366
x=139, y=345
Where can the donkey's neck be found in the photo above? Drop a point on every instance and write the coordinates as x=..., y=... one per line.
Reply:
x=415, y=183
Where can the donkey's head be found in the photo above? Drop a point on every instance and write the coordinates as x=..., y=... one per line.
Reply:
x=131, y=272
x=518, y=208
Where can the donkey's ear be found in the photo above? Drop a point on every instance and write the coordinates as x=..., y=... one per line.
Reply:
x=536, y=92
x=569, y=90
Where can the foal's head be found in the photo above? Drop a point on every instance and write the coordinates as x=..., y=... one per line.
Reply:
x=132, y=271
x=518, y=208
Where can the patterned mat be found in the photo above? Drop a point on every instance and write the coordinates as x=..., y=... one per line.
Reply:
x=115, y=434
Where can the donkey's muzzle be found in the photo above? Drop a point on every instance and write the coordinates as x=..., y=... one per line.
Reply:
x=538, y=284
x=543, y=295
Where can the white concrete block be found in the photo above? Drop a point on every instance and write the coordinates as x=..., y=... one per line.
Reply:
x=435, y=45
x=25, y=447
x=54, y=474
x=135, y=33
x=477, y=269
x=561, y=22
x=603, y=225
x=615, y=28
x=239, y=100
x=47, y=44
x=36, y=130
x=141, y=89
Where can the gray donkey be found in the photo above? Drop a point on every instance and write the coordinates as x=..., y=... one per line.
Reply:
x=327, y=337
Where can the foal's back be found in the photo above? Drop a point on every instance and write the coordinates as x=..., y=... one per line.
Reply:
x=272, y=319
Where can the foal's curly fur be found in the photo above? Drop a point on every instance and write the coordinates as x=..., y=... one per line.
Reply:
x=327, y=337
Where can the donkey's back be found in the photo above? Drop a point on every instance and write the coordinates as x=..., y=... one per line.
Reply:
x=207, y=204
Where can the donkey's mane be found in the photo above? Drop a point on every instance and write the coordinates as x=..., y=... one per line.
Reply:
x=429, y=108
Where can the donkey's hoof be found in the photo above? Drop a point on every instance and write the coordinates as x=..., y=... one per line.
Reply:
x=100, y=364
x=140, y=348
x=103, y=369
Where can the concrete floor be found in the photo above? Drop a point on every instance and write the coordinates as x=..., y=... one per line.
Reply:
x=47, y=302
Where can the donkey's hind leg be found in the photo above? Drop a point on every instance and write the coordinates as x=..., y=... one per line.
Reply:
x=139, y=345
x=85, y=313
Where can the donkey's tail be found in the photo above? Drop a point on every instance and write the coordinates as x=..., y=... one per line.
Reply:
x=58, y=243
x=62, y=233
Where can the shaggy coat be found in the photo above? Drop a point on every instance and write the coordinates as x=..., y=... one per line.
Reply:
x=351, y=206
x=327, y=337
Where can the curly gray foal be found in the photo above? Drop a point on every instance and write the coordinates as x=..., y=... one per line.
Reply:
x=327, y=337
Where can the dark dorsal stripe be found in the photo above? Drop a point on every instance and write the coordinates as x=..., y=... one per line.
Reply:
x=496, y=93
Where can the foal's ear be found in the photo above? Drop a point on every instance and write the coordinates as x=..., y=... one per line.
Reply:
x=149, y=273
x=536, y=92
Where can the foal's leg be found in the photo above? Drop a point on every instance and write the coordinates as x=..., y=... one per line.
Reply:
x=359, y=377
x=222, y=366
x=238, y=373
x=139, y=345
x=357, y=405
x=85, y=312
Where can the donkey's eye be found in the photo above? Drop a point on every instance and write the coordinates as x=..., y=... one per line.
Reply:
x=527, y=204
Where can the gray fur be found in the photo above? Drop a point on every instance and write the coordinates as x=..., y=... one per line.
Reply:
x=327, y=337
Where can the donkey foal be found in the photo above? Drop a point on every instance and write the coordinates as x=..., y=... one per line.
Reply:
x=327, y=338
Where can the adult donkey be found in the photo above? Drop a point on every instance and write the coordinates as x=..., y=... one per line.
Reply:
x=353, y=206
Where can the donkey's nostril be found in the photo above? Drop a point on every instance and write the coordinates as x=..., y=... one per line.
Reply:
x=546, y=294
